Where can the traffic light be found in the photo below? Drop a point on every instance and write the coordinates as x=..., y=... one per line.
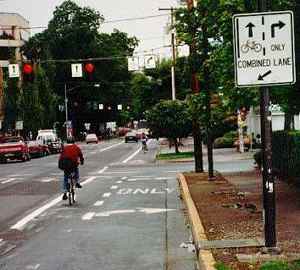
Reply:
x=89, y=69
x=27, y=73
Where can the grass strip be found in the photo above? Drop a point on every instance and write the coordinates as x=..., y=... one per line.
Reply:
x=180, y=155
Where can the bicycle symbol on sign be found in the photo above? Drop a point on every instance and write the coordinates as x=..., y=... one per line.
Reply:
x=251, y=45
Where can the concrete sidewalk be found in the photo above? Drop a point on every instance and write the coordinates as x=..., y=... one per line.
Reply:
x=220, y=155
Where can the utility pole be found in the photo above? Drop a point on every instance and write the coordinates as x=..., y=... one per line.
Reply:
x=269, y=199
x=198, y=153
x=173, y=45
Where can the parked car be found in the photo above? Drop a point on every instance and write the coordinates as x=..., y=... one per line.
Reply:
x=131, y=137
x=13, y=148
x=37, y=149
x=91, y=138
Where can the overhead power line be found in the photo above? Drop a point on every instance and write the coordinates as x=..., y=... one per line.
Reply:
x=105, y=22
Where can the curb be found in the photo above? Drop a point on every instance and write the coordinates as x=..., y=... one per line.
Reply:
x=205, y=257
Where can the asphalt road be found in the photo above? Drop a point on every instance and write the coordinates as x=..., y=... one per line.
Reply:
x=127, y=216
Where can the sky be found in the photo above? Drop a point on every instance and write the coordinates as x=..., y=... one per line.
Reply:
x=151, y=32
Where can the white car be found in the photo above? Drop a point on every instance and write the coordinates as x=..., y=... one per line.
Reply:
x=91, y=138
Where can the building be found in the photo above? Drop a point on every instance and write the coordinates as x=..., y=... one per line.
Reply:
x=14, y=31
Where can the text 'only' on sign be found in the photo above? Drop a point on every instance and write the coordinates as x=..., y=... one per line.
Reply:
x=264, y=49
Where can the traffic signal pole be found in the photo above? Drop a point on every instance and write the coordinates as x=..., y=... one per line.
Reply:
x=269, y=199
x=66, y=110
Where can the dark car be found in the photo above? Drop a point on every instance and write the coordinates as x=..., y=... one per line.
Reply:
x=54, y=147
x=131, y=137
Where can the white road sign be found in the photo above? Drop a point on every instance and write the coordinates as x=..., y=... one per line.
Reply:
x=150, y=61
x=76, y=70
x=264, y=49
x=19, y=125
x=133, y=63
x=13, y=71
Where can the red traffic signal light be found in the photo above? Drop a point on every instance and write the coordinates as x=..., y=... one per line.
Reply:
x=27, y=69
x=89, y=68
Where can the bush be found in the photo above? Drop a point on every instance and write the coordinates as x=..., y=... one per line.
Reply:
x=226, y=141
x=286, y=154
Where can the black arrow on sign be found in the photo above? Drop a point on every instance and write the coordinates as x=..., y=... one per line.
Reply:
x=250, y=26
x=261, y=77
x=280, y=24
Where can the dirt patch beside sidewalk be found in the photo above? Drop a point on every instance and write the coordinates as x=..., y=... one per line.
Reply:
x=230, y=208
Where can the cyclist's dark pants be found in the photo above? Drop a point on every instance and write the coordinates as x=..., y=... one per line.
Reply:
x=66, y=177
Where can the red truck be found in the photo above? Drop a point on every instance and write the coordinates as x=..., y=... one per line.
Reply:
x=13, y=148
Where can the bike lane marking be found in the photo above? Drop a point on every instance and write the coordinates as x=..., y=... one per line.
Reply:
x=20, y=225
x=98, y=203
x=106, y=195
x=103, y=170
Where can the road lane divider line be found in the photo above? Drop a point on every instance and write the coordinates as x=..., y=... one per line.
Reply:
x=124, y=177
x=89, y=180
x=119, y=182
x=132, y=156
x=98, y=203
x=110, y=147
x=114, y=187
x=106, y=195
x=8, y=180
x=103, y=170
x=88, y=216
x=23, y=222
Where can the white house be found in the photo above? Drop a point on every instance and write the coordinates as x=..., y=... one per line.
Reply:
x=253, y=120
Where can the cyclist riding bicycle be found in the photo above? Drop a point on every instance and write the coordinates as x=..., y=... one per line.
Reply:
x=69, y=162
x=144, y=141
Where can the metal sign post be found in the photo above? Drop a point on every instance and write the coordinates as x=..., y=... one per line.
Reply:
x=265, y=56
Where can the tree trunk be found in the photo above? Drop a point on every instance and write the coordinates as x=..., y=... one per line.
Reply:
x=197, y=147
x=176, y=146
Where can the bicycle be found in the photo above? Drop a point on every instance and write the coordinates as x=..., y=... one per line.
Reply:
x=251, y=45
x=71, y=188
x=144, y=147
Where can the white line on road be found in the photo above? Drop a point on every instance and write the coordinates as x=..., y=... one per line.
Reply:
x=132, y=156
x=103, y=170
x=98, y=203
x=33, y=267
x=124, y=177
x=88, y=216
x=110, y=147
x=8, y=180
x=106, y=195
x=21, y=223
x=119, y=182
x=89, y=180
x=114, y=187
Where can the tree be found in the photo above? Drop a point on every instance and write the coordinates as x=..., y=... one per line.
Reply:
x=169, y=119
x=74, y=33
